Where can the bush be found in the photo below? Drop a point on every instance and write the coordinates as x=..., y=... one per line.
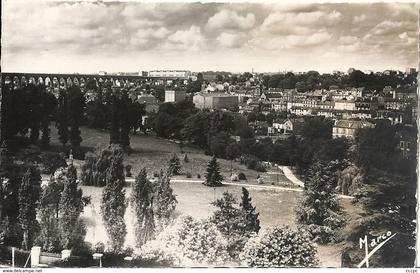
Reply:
x=198, y=175
x=280, y=247
x=241, y=176
x=252, y=163
x=189, y=175
x=98, y=248
x=187, y=243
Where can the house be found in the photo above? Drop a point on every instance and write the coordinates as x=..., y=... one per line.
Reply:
x=344, y=104
x=215, y=100
x=347, y=128
x=288, y=126
x=407, y=141
x=175, y=95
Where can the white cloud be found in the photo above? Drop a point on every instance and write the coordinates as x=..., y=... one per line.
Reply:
x=188, y=39
x=231, y=40
x=227, y=19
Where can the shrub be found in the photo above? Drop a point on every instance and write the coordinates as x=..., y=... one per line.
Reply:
x=252, y=163
x=99, y=247
x=241, y=176
x=198, y=175
x=280, y=247
x=187, y=243
x=189, y=175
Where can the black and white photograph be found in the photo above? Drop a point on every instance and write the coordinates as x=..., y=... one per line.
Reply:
x=139, y=134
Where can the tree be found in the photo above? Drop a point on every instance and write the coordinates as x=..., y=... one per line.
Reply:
x=124, y=116
x=280, y=247
x=71, y=205
x=319, y=210
x=174, y=165
x=249, y=214
x=114, y=132
x=29, y=192
x=186, y=160
x=62, y=117
x=50, y=237
x=164, y=202
x=95, y=168
x=76, y=105
x=213, y=176
x=232, y=151
x=113, y=202
x=142, y=201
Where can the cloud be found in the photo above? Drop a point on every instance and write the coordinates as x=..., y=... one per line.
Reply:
x=231, y=40
x=188, y=39
x=227, y=19
x=95, y=32
x=298, y=23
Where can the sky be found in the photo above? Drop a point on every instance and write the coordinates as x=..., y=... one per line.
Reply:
x=88, y=37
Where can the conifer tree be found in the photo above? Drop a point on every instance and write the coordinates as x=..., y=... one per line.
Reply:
x=174, y=165
x=114, y=133
x=71, y=206
x=142, y=201
x=28, y=200
x=49, y=238
x=62, y=118
x=125, y=121
x=113, y=202
x=213, y=176
x=249, y=214
x=164, y=202
x=76, y=105
x=319, y=210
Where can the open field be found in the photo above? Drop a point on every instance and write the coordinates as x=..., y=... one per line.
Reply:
x=154, y=153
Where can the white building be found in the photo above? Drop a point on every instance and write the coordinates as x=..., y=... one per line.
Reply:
x=170, y=73
x=175, y=96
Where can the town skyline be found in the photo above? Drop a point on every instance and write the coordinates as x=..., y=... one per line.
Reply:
x=214, y=36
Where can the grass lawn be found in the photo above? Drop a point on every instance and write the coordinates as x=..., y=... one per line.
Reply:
x=276, y=208
x=154, y=153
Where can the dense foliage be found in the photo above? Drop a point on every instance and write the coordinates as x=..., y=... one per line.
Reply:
x=280, y=247
x=187, y=242
x=213, y=176
x=113, y=203
x=319, y=210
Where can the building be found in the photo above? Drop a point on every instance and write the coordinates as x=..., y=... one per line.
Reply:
x=175, y=96
x=170, y=73
x=410, y=70
x=348, y=105
x=347, y=128
x=215, y=100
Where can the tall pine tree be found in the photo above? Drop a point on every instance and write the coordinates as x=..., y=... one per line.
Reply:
x=76, y=106
x=165, y=201
x=319, y=211
x=251, y=223
x=125, y=121
x=213, y=176
x=114, y=133
x=62, y=122
x=29, y=192
x=142, y=201
x=71, y=206
x=113, y=202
